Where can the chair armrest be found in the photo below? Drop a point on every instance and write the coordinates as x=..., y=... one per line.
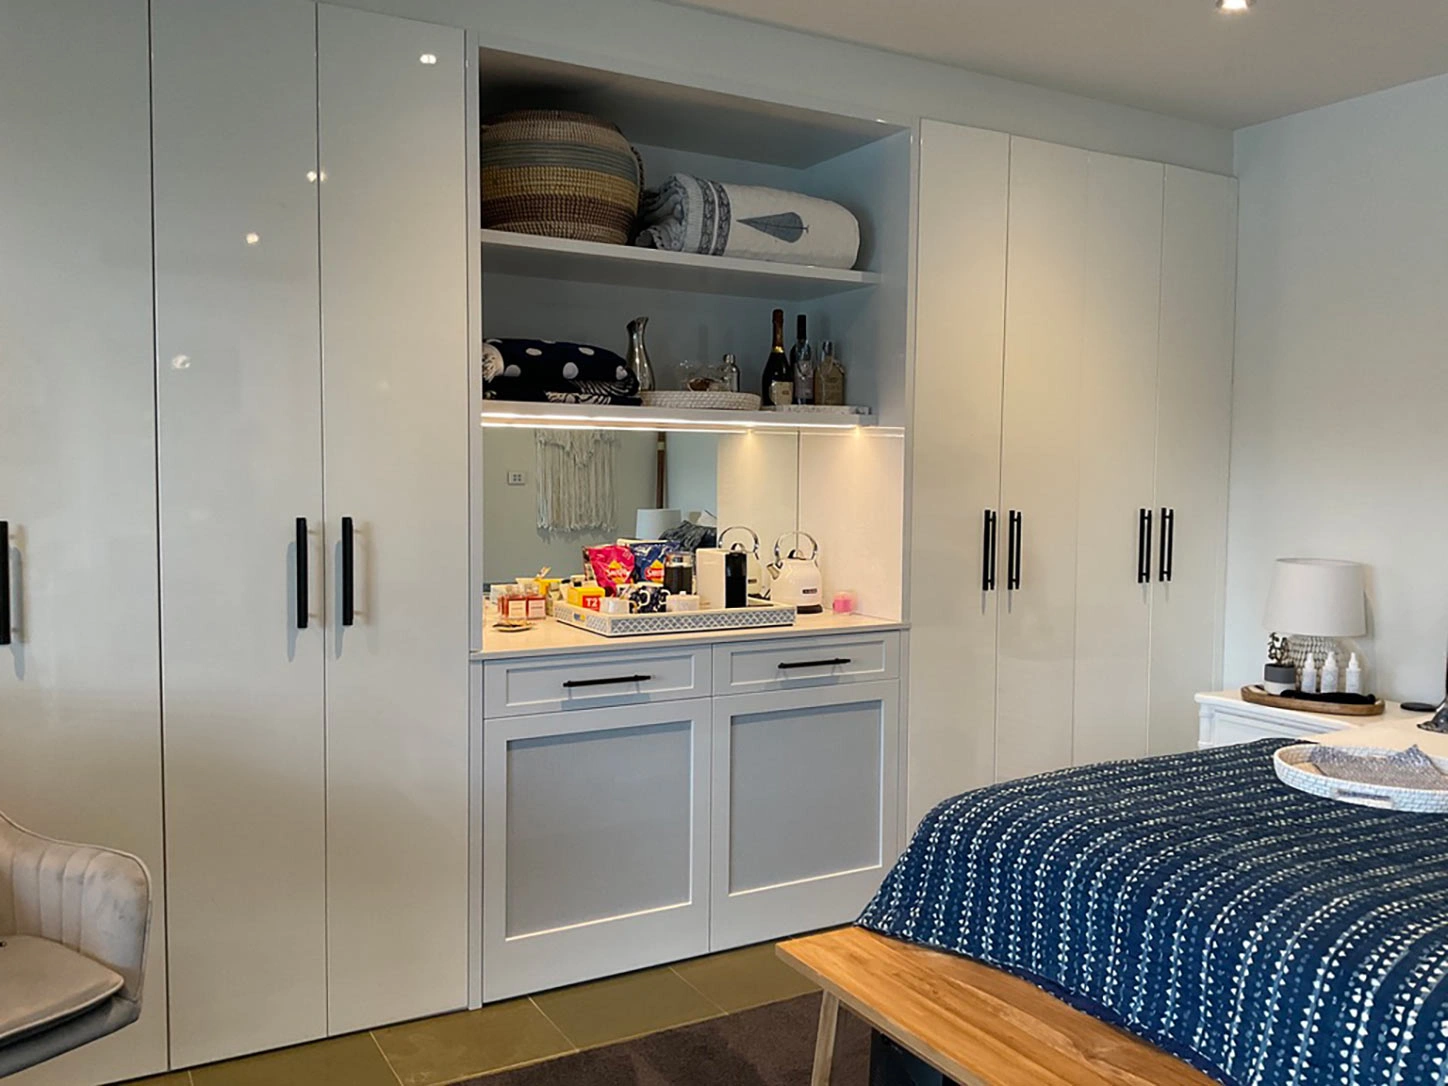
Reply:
x=97, y=901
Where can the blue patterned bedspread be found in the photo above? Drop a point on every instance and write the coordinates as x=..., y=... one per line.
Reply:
x=1261, y=934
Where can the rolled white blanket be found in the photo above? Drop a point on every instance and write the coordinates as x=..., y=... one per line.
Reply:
x=688, y=214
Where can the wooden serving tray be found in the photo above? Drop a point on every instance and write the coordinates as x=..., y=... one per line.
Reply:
x=1257, y=696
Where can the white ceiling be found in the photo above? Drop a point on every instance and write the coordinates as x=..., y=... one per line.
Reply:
x=1179, y=57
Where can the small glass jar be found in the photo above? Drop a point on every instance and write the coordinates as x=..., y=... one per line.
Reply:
x=679, y=573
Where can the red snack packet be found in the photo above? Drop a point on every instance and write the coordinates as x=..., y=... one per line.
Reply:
x=612, y=566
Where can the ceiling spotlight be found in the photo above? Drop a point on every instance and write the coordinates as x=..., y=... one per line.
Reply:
x=1235, y=5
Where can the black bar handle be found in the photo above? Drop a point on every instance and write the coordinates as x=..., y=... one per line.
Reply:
x=1168, y=543
x=349, y=599
x=814, y=663
x=304, y=595
x=987, y=552
x=5, y=582
x=1013, y=558
x=995, y=540
x=573, y=684
x=1143, y=547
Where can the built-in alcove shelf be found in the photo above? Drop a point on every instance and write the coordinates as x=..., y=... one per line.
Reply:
x=556, y=259
x=614, y=417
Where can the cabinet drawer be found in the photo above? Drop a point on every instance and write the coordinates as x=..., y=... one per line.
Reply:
x=1229, y=728
x=554, y=683
x=789, y=664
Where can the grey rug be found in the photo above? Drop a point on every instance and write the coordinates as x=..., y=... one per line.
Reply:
x=767, y=1046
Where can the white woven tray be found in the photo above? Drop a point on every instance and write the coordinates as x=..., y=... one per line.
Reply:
x=1294, y=770
x=737, y=618
x=701, y=401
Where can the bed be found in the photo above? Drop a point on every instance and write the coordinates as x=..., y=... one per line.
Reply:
x=1257, y=934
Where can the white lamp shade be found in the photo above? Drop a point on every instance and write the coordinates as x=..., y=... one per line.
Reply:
x=1317, y=597
x=652, y=523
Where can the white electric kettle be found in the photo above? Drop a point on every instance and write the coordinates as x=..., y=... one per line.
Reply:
x=758, y=583
x=796, y=579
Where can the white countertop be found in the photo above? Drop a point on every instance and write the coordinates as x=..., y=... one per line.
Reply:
x=1393, y=714
x=548, y=638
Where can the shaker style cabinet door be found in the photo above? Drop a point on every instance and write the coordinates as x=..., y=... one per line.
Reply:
x=804, y=808
x=1198, y=320
x=394, y=244
x=1117, y=457
x=955, y=512
x=595, y=843
x=1046, y=271
x=80, y=728
x=239, y=390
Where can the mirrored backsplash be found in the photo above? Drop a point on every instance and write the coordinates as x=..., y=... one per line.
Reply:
x=550, y=492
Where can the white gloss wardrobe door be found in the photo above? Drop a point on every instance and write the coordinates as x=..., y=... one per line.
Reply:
x=1198, y=321
x=80, y=730
x=956, y=440
x=240, y=460
x=1116, y=457
x=1046, y=269
x=395, y=359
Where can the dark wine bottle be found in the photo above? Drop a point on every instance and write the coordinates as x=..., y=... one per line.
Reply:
x=778, y=385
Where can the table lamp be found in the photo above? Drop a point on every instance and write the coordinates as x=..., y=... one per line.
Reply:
x=1312, y=601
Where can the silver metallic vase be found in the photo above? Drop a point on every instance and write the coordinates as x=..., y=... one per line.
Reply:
x=638, y=353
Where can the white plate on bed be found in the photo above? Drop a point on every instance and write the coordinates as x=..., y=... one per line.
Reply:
x=1294, y=770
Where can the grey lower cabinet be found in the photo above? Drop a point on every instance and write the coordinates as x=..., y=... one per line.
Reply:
x=595, y=843
x=803, y=808
x=640, y=822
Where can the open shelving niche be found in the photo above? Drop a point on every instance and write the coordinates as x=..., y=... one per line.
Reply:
x=850, y=485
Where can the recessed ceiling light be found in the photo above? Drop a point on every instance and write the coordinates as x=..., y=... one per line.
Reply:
x=1234, y=5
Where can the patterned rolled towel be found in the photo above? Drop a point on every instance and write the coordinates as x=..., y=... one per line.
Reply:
x=540, y=370
x=688, y=214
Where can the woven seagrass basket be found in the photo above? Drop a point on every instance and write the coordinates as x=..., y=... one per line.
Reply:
x=559, y=174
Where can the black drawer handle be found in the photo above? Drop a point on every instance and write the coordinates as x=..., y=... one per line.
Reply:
x=814, y=663
x=5, y=582
x=573, y=684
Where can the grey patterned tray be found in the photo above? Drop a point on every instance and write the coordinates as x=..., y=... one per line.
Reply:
x=736, y=618
x=1369, y=788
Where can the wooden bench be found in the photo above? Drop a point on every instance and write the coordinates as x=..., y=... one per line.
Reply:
x=974, y=1024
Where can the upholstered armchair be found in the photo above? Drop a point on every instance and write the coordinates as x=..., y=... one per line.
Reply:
x=73, y=926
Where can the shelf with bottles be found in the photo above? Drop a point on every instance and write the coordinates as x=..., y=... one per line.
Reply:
x=515, y=413
x=702, y=306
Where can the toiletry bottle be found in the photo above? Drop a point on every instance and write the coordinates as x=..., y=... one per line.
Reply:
x=829, y=377
x=1328, y=678
x=1354, y=675
x=1308, y=685
x=730, y=373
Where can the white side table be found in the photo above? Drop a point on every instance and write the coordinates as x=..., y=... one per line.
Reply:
x=1227, y=719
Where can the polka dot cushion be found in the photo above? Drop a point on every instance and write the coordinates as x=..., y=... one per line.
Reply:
x=544, y=370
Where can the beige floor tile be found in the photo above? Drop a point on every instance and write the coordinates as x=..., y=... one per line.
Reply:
x=739, y=979
x=623, y=1007
x=454, y=1046
x=341, y=1061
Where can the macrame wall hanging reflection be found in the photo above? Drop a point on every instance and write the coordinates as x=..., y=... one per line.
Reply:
x=575, y=480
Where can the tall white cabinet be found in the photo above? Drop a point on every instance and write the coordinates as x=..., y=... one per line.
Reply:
x=312, y=370
x=80, y=727
x=1072, y=391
